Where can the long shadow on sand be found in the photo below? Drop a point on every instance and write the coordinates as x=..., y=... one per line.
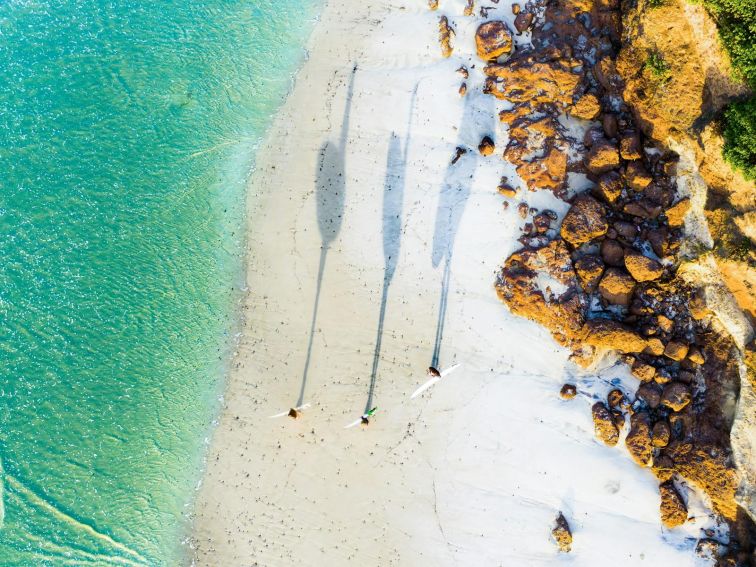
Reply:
x=330, y=187
x=393, y=200
x=477, y=121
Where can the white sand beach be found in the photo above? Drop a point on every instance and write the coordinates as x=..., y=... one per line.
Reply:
x=354, y=201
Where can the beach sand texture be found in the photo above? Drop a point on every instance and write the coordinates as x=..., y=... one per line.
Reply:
x=357, y=217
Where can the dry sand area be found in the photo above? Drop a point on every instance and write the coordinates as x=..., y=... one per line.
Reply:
x=369, y=258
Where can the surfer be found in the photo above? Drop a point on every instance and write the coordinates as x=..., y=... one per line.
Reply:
x=293, y=413
x=364, y=420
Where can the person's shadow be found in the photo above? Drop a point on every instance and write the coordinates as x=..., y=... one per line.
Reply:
x=477, y=121
x=393, y=202
x=330, y=192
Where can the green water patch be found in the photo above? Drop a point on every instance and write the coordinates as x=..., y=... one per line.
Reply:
x=127, y=132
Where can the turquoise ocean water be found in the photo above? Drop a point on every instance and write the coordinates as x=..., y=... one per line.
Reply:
x=127, y=132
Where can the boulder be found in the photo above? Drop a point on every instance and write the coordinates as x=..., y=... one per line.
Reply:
x=568, y=391
x=562, y=534
x=676, y=396
x=609, y=186
x=642, y=371
x=695, y=356
x=587, y=107
x=486, y=146
x=615, y=398
x=532, y=83
x=630, y=146
x=673, y=510
x=609, y=123
x=540, y=284
x=676, y=350
x=585, y=221
x=665, y=323
x=676, y=213
x=602, y=157
x=636, y=176
x=643, y=268
x=661, y=434
x=617, y=287
x=613, y=253
x=506, y=189
x=638, y=440
x=445, y=33
x=626, y=230
x=659, y=241
x=589, y=269
x=492, y=40
x=608, y=334
x=650, y=394
x=603, y=424
x=655, y=347
x=523, y=21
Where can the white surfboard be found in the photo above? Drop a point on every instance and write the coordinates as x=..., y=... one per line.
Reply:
x=353, y=424
x=285, y=413
x=433, y=380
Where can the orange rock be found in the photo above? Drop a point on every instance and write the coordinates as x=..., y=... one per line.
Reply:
x=587, y=107
x=445, y=33
x=637, y=177
x=589, y=269
x=486, y=146
x=520, y=287
x=609, y=186
x=604, y=333
x=534, y=83
x=617, y=287
x=638, y=440
x=602, y=157
x=492, y=40
x=562, y=534
x=676, y=213
x=642, y=268
x=585, y=221
x=676, y=350
x=672, y=508
x=630, y=147
x=604, y=425
x=642, y=371
x=548, y=172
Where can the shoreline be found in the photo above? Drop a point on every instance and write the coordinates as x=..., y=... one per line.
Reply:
x=354, y=196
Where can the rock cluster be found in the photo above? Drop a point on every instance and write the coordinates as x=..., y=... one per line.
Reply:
x=613, y=260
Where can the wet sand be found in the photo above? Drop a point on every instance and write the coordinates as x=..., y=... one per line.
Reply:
x=370, y=257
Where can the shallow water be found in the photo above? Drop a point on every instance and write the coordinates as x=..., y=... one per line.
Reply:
x=127, y=131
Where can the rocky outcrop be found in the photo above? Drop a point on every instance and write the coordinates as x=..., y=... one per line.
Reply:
x=559, y=306
x=623, y=243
